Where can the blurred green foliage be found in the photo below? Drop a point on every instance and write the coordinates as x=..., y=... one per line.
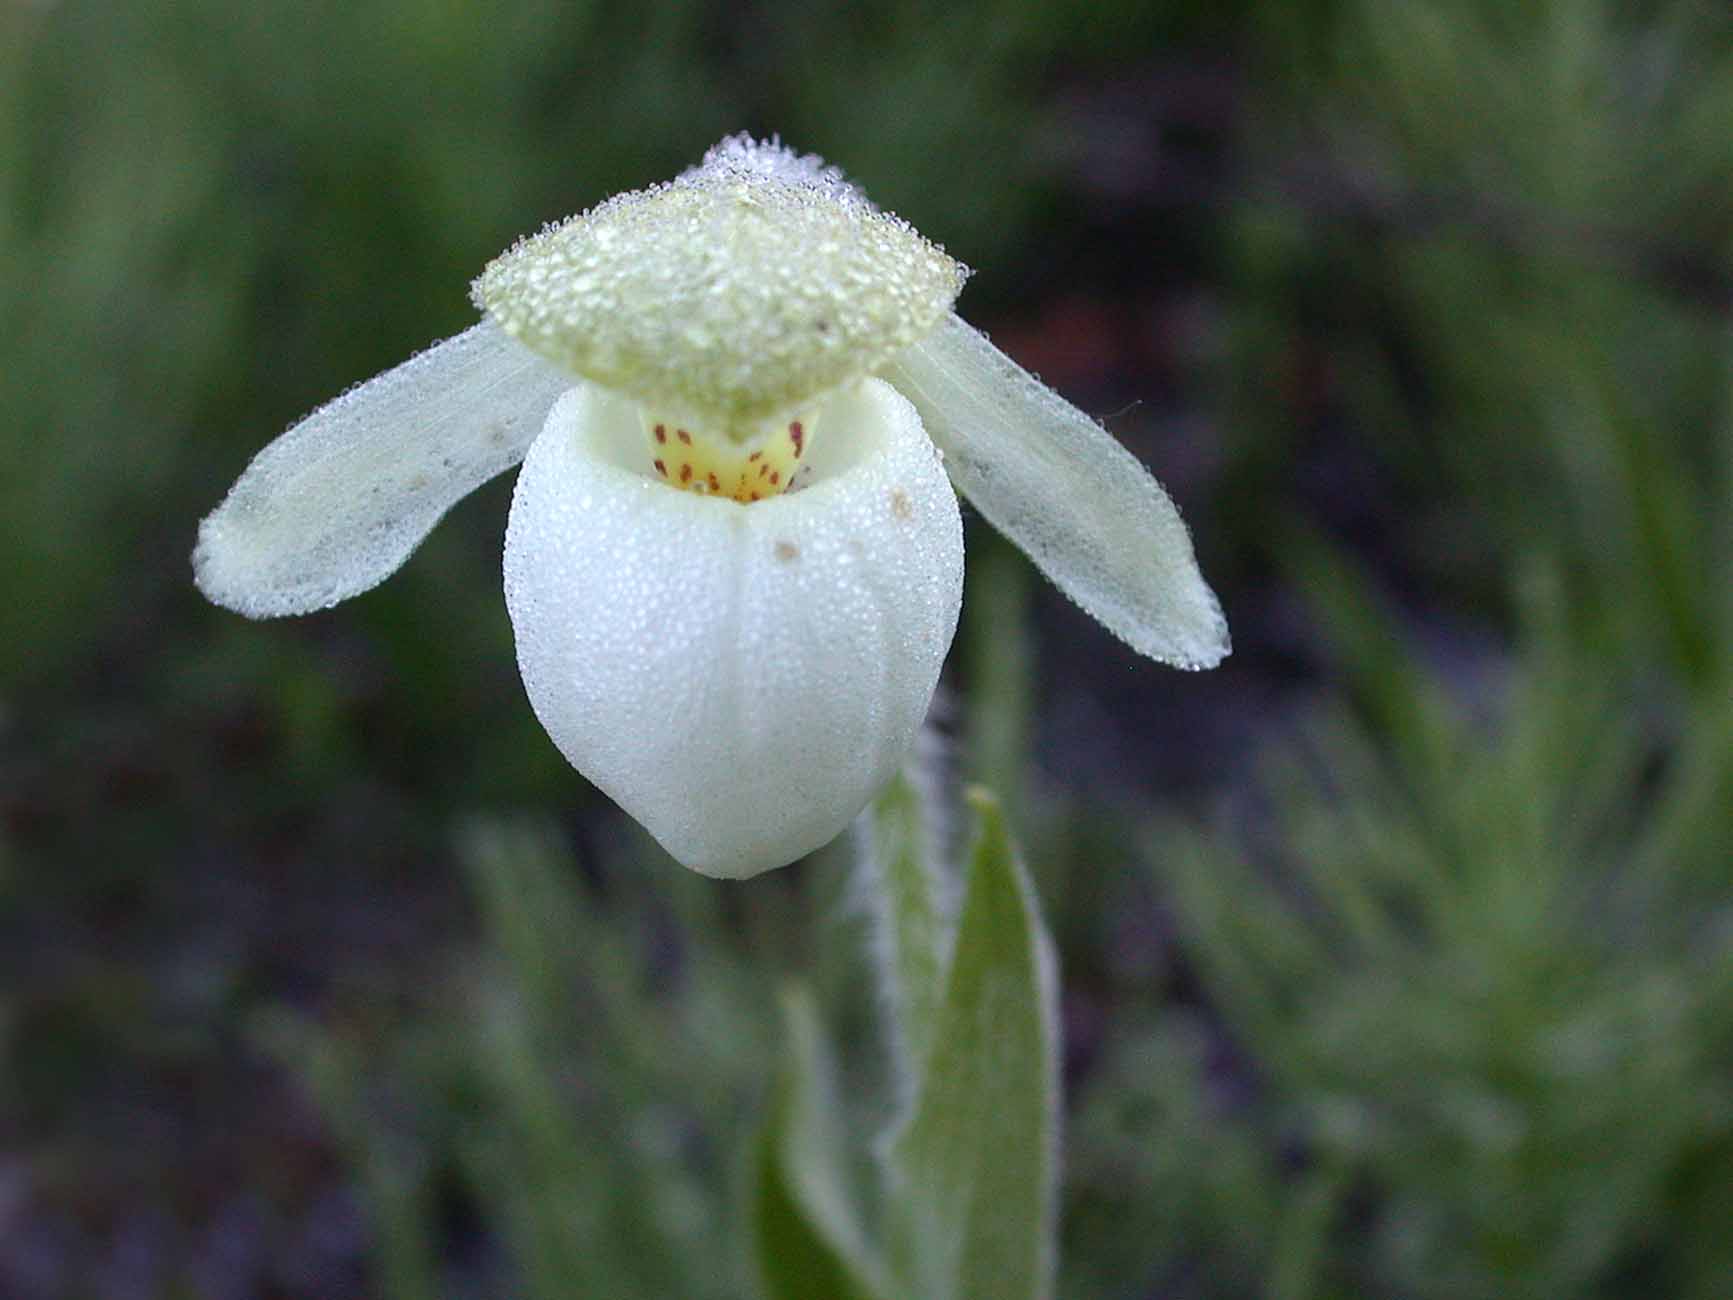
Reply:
x=1425, y=990
x=1482, y=966
x=596, y=1117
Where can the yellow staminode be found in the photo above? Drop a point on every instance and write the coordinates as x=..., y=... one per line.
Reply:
x=749, y=471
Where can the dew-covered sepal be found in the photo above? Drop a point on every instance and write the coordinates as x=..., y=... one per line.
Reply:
x=746, y=287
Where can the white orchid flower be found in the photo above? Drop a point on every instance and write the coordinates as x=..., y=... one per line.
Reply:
x=734, y=560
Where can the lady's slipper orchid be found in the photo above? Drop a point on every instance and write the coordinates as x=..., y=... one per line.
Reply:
x=734, y=560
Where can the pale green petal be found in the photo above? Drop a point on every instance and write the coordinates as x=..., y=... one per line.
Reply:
x=336, y=505
x=1058, y=484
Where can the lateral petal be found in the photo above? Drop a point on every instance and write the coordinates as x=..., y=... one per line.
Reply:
x=336, y=505
x=1065, y=491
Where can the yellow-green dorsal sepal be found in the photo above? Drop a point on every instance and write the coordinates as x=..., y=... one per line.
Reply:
x=737, y=292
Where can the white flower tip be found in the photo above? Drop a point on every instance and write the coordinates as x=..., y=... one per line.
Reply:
x=747, y=286
x=1195, y=638
x=240, y=564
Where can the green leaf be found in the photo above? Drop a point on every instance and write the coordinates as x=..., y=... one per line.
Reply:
x=971, y=1175
x=906, y=895
x=805, y=1225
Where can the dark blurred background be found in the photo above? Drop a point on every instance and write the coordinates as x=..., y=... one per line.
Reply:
x=1398, y=952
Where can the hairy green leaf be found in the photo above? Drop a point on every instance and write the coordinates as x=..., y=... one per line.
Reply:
x=971, y=1173
x=906, y=895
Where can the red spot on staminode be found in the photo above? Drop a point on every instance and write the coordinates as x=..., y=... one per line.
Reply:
x=797, y=435
x=775, y=477
x=661, y=469
x=683, y=436
x=755, y=455
x=763, y=470
x=685, y=473
x=661, y=433
x=714, y=485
